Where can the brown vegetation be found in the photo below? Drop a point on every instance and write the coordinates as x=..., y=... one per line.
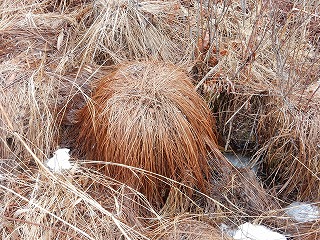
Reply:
x=148, y=115
x=255, y=62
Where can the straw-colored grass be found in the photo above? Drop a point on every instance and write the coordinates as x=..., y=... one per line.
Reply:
x=116, y=31
x=255, y=62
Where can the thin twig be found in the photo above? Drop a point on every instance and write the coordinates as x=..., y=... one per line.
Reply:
x=212, y=70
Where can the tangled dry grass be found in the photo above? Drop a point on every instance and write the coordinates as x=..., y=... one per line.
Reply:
x=257, y=65
x=272, y=94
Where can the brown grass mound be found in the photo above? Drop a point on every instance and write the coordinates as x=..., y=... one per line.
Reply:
x=148, y=115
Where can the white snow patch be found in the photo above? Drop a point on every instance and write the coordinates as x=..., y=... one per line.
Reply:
x=303, y=212
x=248, y=231
x=227, y=230
x=240, y=161
x=59, y=161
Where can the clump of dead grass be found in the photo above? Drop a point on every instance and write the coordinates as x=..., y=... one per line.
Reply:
x=128, y=30
x=148, y=115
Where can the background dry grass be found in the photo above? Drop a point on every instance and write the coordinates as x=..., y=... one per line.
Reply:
x=256, y=63
x=273, y=88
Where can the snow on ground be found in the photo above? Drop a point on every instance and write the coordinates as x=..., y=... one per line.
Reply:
x=240, y=161
x=59, y=161
x=248, y=231
x=303, y=212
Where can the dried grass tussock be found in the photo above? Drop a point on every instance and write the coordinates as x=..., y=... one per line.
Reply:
x=122, y=84
x=148, y=115
x=122, y=30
